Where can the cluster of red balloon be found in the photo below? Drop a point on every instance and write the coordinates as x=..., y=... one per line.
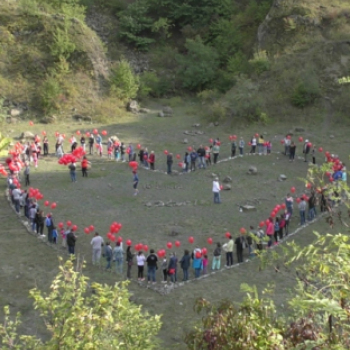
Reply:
x=68, y=224
x=89, y=229
x=53, y=205
x=77, y=154
x=232, y=137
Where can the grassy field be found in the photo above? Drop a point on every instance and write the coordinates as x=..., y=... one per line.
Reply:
x=107, y=196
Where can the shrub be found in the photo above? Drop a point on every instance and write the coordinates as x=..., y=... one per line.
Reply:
x=149, y=83
x=49, y=93
x=124, y=83
x=62, y=46
x=305, y=92
x=238, y=63
x=260, y=63
x=198, y=67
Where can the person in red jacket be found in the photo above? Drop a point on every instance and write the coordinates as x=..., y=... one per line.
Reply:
x=270, y=230
x=84, y=166
x=152, y=160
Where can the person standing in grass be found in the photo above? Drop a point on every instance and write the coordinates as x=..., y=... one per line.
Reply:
x=216, y=151
x=306, y=150
x=289, y=204
x=217, y=257
x=26, y=173
x=140, y=265
x=91, y=143
x=169, y=162
x=193, y=156
x=261, y=142
x=197, y=264
x=282, y=226
x=277, y=229
x=108, y=254
x=229, y=251
x=82, y=142
x=253, y=145
x=49, y=224
x=84, y=166
x=99, y=144
x=185, y=264
x=46, y=146
x=216, y=191
x=241, y=147
x=286, y=222
x=96, y=243
x=72, y=168
x=151, y=267
x=118, y=258
x=240, y=243
x=270, y=229
x=135, y=182
x=205, y=262
x=129, y=261
x=152, y=160
x=292, y=150
x=172, y=267
x=71, y=240
x=165, y=269
x=302, y=209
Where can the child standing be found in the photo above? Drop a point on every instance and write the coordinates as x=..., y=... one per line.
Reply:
x=205, y=264
x=140, y=266
x=109, y=152
x=277, y=229
x=63, y=236
x=165, y=270
x=54, y=235
x=135, y=182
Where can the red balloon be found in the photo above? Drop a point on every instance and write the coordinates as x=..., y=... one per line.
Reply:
x=53, y=205
x=189, y=148
x=283, y=206
x=87, y=134
x=298, y=200
x=198, y=255
x=231, y=137
x=120, y=239
x=292, y=189
x=249, y=143
x=204, y=251
x=133, y=164
x=61, y=225
x=273, y=214
x=301, y=139
x=43, y=133
x=46, y=203
x=91, y=228
x=138, y=146
x=327, y=154
x=178, y=156
x=166, y=152
x=112, y=238
x=169, y=245
x=234, y=137
x=210, y=240
x=256, y=135
x=227, y=234
x=104, y=132
x=210, y=140
x=161, y=253
x=74, y=227
x=320, y=149
x=191, y=239
x=95, y=131
x=87, y=231
x=289, y=137
x=309, y=144
x=267, y=222
x=145, y=248
x=128, y=242
x=242, y=230
x=308, y=185
x=69, y=223
x=282, y=142
x=180, y=164
x=138, y=247
x=177, y=244
x=31, y=123
x=262, y=224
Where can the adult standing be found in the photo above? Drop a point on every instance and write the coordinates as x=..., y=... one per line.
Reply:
x=201, y=157
x=233, y=149
x=27, y=173
x=169, y=162
x=130, y=152
x=270, y=230
x=49, y=224
x=39, y=220
x=96, y=243
x=73, y=143
x=99, y=144
x=118, y=258
x=135, y=182
x=193, y=156
x=16, y=195
x=287, y=143
x=197, y=264
x=312, y=206
x=289, y=204
x=72, y=168
x=46, y=146
x=302, y=209
x=240, y=243
x=216, y=151
x=185, y=264
x=241, y=147
x=129, y=261
x=229, y=251
x=217, y=257
x=261, y=142
x=306, y=150
x=172, y=267
x=84, y=166
x=216, y=191
x=140, y=265
x=71, y=240
x=292, y=150
x=151, y=267
x=82, y=142
x=91, y=143
x=108, y=254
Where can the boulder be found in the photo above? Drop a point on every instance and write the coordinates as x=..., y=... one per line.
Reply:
x=15, y=112
x=248, y=208
x=144, y=110
x=331, y=136
x=11, y=120
x=299, y=129
x=226, y=187
x=78, y=117
x=49, y=119
x=196, y=125
x=252, y=170
x=168, y=111
x=213, y=175
x=282, y=177
x=160, y=115
x=27, y=135
x=185, y=141
x=133, y=106
x=216, y=123
x=227, y=180
x=159, y=204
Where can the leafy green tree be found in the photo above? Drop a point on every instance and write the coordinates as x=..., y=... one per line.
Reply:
x=78, y=315
x=124, y=83
x=197, y=68
x=4, y=144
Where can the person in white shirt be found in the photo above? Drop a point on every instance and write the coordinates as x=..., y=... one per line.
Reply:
x=97, y=243
x=140, y=265
x=253, y=142
x=216, y=191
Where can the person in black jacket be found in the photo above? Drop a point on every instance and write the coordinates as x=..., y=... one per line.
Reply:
x=185, y=264
x=71, y=239
x=306, y=149
x=129, y=258
x=201, y=157
x=240, y=245
x=169, y=162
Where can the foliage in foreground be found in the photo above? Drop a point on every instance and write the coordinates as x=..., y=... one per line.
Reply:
x=78, y=315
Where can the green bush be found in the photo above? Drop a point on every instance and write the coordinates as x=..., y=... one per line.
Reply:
x=49, y=94
x=305, y=92
x=260, y=63
x=136, y=25
x=124, y=83
x=198, y=67
x=62, y=46
x=238, y=63
x=149, y=83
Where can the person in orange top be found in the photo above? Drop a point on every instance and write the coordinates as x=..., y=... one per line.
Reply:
x=84, y=166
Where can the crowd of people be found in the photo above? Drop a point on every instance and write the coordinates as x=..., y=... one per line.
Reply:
x=253, y=240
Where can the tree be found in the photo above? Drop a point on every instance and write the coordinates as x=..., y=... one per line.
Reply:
x=197, y=69
x=78, y=315
x=4, y=144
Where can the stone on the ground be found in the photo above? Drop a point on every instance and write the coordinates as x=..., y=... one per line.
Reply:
x=185, y=141
x=133, y=106
x=282, y=177
x=213, y=175
x=227, y=179
x=160, y=114
x=168, y=111
x=299, y=129
x=331, y=136
x=148, y=204
x=159, y=204
x=216, y=123
x=253, y=170
x=211, y=124
x=248, y=208
x=144, y=110
x=11, y=120
x=27, y=135
x=196, y=125
x=226, y=187
x=15, y=112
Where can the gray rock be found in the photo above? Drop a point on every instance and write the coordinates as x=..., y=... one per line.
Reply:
x=159, y=204
x=144, y=110
x=299, y=129
x=49, y=119
x=27, y=135
x=133, y=106
x=213, y=175
x=161, y=114
x=15, y=112
x=186, y=132
x=11, y=120
x=331, y=136
x=148, y=204
x=226, y=187
x=211, y=125
x=216, y=123
x=185, y=141
x=199, y=132
x=168, y=111
x=252, y=170
x=282, y=177
x=196, y=125
x=248, y=208
x=227, y=180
